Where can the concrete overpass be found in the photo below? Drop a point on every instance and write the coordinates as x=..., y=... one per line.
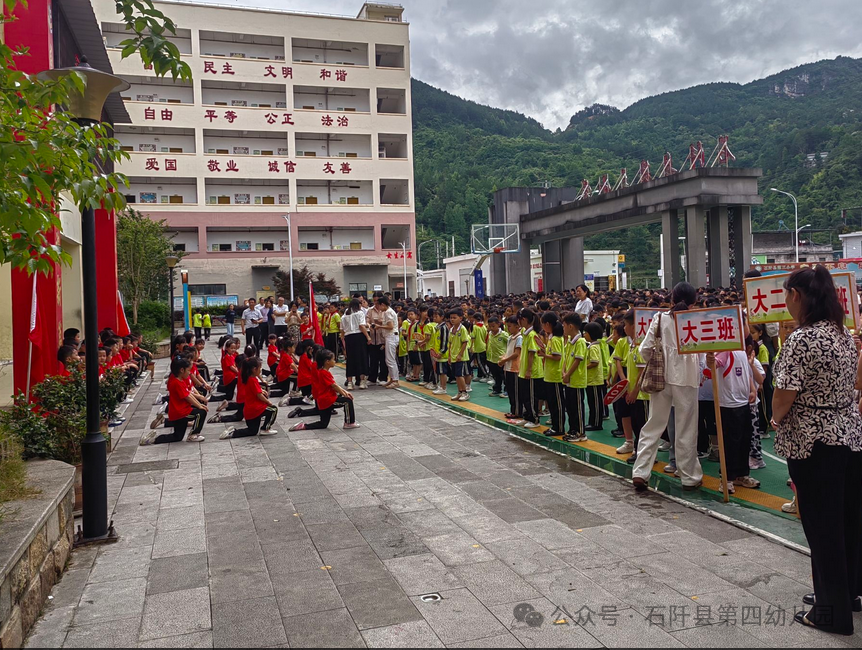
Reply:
x=713, y=203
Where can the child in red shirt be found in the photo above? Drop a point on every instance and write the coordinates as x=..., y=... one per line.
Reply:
x=328, y=394
x=229, y=375
x=272, y=353
x=260, y=413
x=184, y=407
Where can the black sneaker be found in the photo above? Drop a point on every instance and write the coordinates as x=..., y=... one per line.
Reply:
x=569, y=437
x=295, y=412
x=552, y=434
x=618, y=433
x=631, y=459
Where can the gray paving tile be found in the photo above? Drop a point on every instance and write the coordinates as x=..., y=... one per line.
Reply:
x=113, y=634
x=377, y=603
x=248, y=623
x=494, y=583
x=459, y=616
x=422, y=574
x=716, y=636
x=279, y=524
x=358, y=564
x=290, y=557
x=588, y=555
x=194, y=640
x=680, y=574
x=430, y=523
x=230, y=585
x=182, y=541
x=550, y=533
x=110, y=601
x=335, y=536
x=513, y=510
x=320, y=511
x=307, y=592
x=178, y=573
x=457, y=548
x=393, y=542
x=544, y=627
x=500, y=641
x=176, y=612
x=50, y=630
x=525, y=557
x=118, y=563
x=332, y=629
x=415, y=634
x=488, y=528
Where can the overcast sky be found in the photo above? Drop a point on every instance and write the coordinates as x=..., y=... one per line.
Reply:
x=550, y=58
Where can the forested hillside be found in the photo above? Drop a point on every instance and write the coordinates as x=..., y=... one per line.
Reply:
x=463, y=151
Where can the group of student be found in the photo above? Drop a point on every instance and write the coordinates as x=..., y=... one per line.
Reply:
x=299, y=374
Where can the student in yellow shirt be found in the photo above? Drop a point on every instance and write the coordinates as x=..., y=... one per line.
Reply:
x=497, y=343
x=552, y=354
x=532, y=371
x=479, y=345
x=635, y=404
x=574, y=376
x=414, y=337
x=459, y=353
x=331, y=327
x=427, y=331
x=595, y=376
x=617, y=371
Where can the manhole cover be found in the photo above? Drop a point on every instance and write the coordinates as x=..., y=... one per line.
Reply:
x=430, y=598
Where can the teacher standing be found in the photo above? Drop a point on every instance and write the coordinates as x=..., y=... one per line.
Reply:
x=356, y=342
x=819, y=431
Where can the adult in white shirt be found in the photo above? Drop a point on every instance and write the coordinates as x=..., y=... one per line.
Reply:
x=279, y=313
x=251, y=320
x=584, y=308
x=355, y=339
x=389, y=327
x=682, y=379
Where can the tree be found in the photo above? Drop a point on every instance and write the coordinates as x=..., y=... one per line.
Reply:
x=44, y=153
x=142, y=246
x=322, y=285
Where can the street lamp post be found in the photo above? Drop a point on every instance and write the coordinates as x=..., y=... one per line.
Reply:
x=799, y=230
x=404, y=259
x=171, y=261
x=86, y=110
x=286, y=218
x=795, y=217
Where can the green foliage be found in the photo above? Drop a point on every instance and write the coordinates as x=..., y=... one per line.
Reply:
x=44, y=153
x=323, y=286
x=463, y=151
x=152, y=315
x=13, y=475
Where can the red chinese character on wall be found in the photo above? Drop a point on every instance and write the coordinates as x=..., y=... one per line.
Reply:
x=170, y=164
x=290, y=166
x=230, y=116
x=167, y=114
x=209, y=66
x=149, y=113
x=210, y=115
x=343, y=121
x=152, y=163
x=327, y=169
x=271, y=118
x=227, y=68
x=326, y=120
x=270, y=71
x=213, y=166
x=341, y=75
x=287, y=72
x=345, y=168
x=273, y=166
x=288, y=118
x=325, y=74
x=231, y=166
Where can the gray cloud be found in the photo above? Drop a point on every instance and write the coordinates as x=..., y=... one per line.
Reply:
x=550, y=58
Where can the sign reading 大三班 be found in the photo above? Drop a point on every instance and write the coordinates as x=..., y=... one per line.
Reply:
x=716, y=329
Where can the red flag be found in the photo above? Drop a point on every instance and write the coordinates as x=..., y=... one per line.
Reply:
x=35, y=333
x=123, y=328
x=315, y=320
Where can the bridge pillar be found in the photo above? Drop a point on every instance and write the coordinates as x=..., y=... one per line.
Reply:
x=719, y=247
x=517, y=264
x=670, y=248
x=572, y=258
x=695, y=245
x=552, y=269
x=741, y=242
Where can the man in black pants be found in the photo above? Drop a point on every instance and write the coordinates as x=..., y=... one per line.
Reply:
x=251, y=320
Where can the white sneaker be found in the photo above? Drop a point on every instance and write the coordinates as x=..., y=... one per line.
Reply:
x=299, y=426
x=267, y=432
x=148, y=438
x=284, y=400
x=422, y=385
x=789, y=508
x=350, y=385
x=128, y=400
x=489, y=381
x=664, y=446
x=439, y=391
x=363, y=384
x=431, y=386
x=354, y=425
x=531, y=425
x=626, y=448
x=228, y=433
x=464, y=397
x=158, y=400
x=308, y=401
x=457, y=397
x=581, y=438
x=469, y=388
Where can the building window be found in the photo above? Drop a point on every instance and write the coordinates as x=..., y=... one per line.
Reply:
x=208, y=289
x=357, y=287
x=222, y=248
x=770, y=260
x=268, y=246
x=309, y=246
x=179, y=247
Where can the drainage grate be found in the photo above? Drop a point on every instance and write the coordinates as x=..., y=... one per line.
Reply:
x=149, y=466
x=430, y=598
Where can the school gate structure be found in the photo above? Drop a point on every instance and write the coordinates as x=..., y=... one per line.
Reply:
x=713, y=203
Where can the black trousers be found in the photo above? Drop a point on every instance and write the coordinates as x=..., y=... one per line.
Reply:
x=207, y=333
x=512, y=385
x=204, y=372
x=597, y=406
x=555, y=396
x=236, y=416
x=481, y=364
x=263, y=421
x=357, y=354
x=529, y=394
x=228, y=393
x=252, y=337
x=377, y=363
x=196, y=418
x=575, y=410
x=428, y=374
x=197, y=332
x=280, y=330
x=705, y=424
x=326, y=414
x=497, y=373
x=330, y=342
x=736, y=427
x=829, y=495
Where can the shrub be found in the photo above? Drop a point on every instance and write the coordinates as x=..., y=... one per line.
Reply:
x=152, y=315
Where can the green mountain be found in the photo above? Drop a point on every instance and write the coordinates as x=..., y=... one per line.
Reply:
x=802, y=126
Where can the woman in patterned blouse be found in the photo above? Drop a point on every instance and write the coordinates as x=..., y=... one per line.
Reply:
x=819, y=430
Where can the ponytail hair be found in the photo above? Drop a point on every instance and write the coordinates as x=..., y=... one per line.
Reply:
x=249, y=365
x=683, y=296
x=530, y=316
x=819, y=299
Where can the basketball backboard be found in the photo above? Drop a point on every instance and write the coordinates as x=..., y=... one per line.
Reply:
x=488, y=238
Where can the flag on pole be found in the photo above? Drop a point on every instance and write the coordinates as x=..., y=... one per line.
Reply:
x=315, y=320
x=35, y=333
x=123, y=328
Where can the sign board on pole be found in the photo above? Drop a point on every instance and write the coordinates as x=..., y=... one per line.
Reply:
x=621, y=259
x=716, y=329
x=590, y=281
x=643, y=319
x=845, y=285
x=765, y=303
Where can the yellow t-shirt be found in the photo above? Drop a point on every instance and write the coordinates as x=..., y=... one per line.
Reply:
x=332, y=323
x=595, y=376
x=634, y=365
x=457, y=339
x=577, y=350
x=478, y=336
x=529, y=344
x=553, y=367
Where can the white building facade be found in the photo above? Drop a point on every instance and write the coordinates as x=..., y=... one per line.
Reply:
x=287, y=114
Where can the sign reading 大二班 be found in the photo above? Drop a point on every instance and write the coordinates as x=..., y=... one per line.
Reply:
x=643, y=319
x=716, y=329
x=765, y=301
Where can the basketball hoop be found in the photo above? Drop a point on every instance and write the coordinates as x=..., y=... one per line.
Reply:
x=498, y=249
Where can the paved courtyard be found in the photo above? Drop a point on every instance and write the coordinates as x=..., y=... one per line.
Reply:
x=423, y=528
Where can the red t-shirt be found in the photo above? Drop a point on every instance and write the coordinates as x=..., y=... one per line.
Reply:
x=285, y=367
x=272, y=358
x=227, y=361
x=115, y=361
x=307, y=331
x=240, y=390
x=63, y=372
x=126, y=355
x=253, y=406
x=324, y=393
x=307, y=371
x=178, y=390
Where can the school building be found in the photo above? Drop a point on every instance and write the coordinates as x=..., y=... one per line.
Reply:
x=305, y=116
